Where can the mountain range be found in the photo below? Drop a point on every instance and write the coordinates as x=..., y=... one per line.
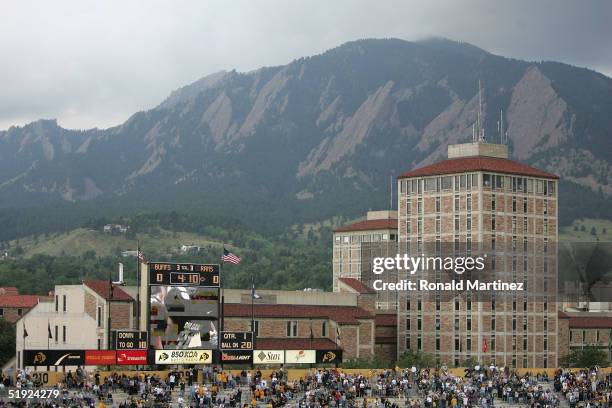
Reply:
x=316, y=138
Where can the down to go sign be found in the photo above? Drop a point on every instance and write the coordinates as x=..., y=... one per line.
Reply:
x=130, y=340
x=235, y=340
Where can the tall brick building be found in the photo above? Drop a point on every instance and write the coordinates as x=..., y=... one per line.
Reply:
x=354, y=246
x=479, y=201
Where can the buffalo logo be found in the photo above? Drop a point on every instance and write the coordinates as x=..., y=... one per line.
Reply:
x=163, y=357
x=204, y=356
x=329, y=356
x=39, y=358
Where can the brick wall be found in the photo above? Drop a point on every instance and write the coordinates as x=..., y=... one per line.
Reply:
x=120, y=313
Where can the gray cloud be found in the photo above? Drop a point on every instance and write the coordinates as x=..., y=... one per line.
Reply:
x=93, y=63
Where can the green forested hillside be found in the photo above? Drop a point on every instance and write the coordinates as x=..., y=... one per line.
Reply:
x=294, y=260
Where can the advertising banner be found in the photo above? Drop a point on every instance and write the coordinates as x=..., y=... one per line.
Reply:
x=183, y=356
x=100, y=357
x=300, y=356
x=236, y=357
x=131, y=357
x=53, y=357
x=268, y=356
x=329, y=356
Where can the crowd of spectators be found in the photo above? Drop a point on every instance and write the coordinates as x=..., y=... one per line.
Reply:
x=333, y=388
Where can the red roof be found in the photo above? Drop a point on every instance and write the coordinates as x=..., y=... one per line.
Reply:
x=370, y=225
x=102, y=288
x=339, y=314
x=295, y=344
x=587, y=322
x=478, y=163
x=357, y=285
x=386, y=320
x=19, y=301
x=8, y=290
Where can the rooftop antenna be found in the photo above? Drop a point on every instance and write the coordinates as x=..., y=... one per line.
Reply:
x=502, y=135
x=480, y=125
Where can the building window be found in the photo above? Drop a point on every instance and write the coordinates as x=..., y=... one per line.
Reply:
x=324, y=329
x=456, y=204
x=1, y=312
x=493, y=343
x=292, y=328
x=419, y=343
x=99, y=316
x=19, y=312
x=457, y=344
x=525, y=205
x=419, y=324
x=64, y=303
x=408, y=324
x=437, y=323
x=420, y=206
x=513, y=204
x=438, y=205
x=514, y=224
x=456, y=323
x=493, y=324
x=486, y=180
x=493, y=223
x=99, y=344
x=456, y=223
x=56, y=303
x=493, y=202
x=408, y=206
x=469, y=324
x=437, y=343
x=545, y=206
x=456, y=304
x=468, y=344
x=64, y=334
x=407, y=342
x=438, y=223
x=468, y=221
x=56, y=334
x=447, y=183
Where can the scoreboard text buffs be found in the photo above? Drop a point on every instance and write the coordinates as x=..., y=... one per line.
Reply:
x=181, y=274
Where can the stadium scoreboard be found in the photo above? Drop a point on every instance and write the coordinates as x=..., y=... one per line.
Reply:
x=235, y=340
x=184, y=274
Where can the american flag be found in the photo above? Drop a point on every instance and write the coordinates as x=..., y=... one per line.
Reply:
x=230, y=257
x=141, y=257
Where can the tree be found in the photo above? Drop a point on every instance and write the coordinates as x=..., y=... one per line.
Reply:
x=7, y=341
x=586, y=357
x=412, y=358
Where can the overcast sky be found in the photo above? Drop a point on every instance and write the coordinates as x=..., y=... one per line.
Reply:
x=94, y=63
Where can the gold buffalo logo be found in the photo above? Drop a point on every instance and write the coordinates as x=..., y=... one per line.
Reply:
x=39, y=358
x=204, y=357
x=329, y=356
x=163, y=357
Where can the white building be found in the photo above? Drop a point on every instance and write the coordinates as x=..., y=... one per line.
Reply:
x=76, y=318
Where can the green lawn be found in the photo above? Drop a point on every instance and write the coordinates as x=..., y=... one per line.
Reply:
x=80, y=240
x=582, y=231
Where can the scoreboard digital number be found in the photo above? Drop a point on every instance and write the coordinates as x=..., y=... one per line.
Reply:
x=131, y=340
x=175, y=274
x=235, y=340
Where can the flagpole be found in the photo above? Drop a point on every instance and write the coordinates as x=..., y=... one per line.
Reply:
x=138, y=285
